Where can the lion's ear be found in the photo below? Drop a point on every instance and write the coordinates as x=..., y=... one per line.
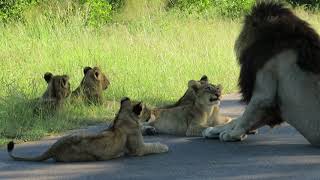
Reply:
x=96, y=74
x=194, y=85
x=219, y=86
x=86, y=69
x=204, y=78
x=48, y=76
x=125, y=101
x=137, y=109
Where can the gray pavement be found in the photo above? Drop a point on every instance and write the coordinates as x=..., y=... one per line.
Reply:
x=279, y=153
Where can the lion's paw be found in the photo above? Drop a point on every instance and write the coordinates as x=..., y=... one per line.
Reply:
x=149, y=131
x=227, y=132
x=233, y=135
x=163, y=148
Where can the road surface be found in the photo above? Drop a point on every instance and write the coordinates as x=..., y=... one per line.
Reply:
x=279, y=153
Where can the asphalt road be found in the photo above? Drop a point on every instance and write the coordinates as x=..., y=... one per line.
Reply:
x=279, y=153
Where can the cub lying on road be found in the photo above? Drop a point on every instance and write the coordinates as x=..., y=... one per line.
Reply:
x=124, y=137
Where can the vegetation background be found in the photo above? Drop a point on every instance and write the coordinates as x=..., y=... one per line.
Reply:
x=148, y=48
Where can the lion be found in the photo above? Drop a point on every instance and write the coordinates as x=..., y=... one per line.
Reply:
x=190, y=119
x=58, y=90
x=92, y=85
x=189, y=96
x=124, y=137
x=279, y=56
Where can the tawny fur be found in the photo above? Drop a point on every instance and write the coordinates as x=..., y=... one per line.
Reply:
x=124, y=137
x=54, y=97
x=189, y=96
x=92, y=86
x=192, y=118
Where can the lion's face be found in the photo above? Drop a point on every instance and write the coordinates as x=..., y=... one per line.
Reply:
x=206, y=94
x=94, y=77
x=92, y=85
x=146, y=111
x=58, y=86
x=128, y=116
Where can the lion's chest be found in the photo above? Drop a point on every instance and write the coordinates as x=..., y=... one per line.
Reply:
x=299, y=94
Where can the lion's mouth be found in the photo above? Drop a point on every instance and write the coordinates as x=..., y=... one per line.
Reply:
x=213, y=99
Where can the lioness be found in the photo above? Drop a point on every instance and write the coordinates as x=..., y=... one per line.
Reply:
x=57, y=91
x=124, y=137
x=190, y=119
x=92, y=85
x=279, y=56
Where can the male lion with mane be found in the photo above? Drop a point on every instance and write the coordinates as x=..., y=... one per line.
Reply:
x=279, y=56
x=124, y=137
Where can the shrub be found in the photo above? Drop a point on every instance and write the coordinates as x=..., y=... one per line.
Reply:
x=98, y=12
x=12, y=10
x=225, y=8
x=95, y=12
x=308, y=4
x=233, y=9
x=190, y=5
x=116, y=4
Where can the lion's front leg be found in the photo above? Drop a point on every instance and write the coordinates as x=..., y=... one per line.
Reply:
x=151, y=148
x=195, y=130
x=262, y=98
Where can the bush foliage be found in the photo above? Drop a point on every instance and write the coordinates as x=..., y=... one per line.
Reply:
x=225, y=8
x=97, y=12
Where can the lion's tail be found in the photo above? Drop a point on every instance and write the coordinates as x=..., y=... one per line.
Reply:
x=46, y=155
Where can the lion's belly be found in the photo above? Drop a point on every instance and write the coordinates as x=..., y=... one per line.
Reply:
x=299, y=95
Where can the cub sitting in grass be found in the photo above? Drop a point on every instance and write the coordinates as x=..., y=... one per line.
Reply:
x=54, y=97
x=124, y=137
x=92, y=85
x=190, y=119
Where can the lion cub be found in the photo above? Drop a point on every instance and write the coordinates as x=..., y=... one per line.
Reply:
x=192, y=118
x=57, y=91
x=92, y=85
x=189, y=96
x=124, y=137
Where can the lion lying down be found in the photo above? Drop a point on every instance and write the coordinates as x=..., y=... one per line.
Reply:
x=124, y=137
x=191, y=118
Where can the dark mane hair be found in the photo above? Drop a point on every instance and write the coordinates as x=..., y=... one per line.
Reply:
x=274, y=28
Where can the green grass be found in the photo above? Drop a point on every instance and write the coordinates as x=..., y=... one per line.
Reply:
x=148, y=57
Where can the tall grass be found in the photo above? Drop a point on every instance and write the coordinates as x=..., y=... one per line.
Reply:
x=148, y=54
